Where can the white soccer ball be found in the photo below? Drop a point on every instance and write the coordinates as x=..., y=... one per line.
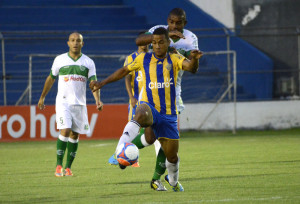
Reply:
x=127, y=154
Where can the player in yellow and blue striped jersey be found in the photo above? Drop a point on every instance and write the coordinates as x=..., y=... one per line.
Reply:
x=183, y=41
x=157, y=101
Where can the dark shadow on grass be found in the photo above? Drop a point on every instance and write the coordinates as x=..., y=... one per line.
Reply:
x=210, y=178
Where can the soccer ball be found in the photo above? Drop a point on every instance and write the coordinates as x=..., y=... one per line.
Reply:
x=127, y=154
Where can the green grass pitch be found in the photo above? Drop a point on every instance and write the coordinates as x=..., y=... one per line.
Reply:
x=215, y=167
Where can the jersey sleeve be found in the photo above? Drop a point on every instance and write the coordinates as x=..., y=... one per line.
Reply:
x=126, y=61
x=178, y=60
x=54, y=69
x=92, y=71
x=136, y=64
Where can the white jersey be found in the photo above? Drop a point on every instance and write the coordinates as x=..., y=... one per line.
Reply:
x=183, y=46
x=72, y=78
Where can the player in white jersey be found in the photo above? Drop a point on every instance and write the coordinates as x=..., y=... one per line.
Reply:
x=73, y=69
x=184, y=41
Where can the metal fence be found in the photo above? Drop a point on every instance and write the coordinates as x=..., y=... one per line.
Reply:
x=121, y=43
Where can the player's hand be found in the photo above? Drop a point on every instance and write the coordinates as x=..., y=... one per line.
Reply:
x=133, y=101
x=175, y=34
x=196, y=54
x=95, y=85
x=99, y=105
x=41, y=104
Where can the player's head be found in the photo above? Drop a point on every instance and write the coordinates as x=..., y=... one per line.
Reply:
x=177, y=19
x=142, y=48
x=160, y=42
x=75, y=43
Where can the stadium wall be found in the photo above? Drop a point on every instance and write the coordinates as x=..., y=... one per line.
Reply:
x=28, y=123
x=250, y=115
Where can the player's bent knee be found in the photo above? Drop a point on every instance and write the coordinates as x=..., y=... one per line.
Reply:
x=173, y=159
x=142, y=118
x=143, y=115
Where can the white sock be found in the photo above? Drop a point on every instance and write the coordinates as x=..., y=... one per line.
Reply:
x=131, y=130
x=157, y=146
x=73, y=141
x=173, y=172
x=143, y=141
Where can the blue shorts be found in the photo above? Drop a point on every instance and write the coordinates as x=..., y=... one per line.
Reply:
x=164, y=126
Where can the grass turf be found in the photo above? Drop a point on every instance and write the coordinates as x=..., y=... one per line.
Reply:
x=215, y=167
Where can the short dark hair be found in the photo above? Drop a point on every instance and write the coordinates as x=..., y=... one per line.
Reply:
x=178, y=12
x=161, y=31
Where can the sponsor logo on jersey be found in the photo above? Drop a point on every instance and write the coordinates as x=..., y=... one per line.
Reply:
x=74, y=78
x=158, y=85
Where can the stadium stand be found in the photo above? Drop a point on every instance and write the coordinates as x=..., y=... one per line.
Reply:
x=109, y=28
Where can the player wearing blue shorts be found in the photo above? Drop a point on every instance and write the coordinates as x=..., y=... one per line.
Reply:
x=183, y=41
x=157, y=107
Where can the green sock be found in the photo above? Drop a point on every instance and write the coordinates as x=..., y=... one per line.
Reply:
x=137, y=140
x=72, y=149
x=60, y=149
x=160, y=167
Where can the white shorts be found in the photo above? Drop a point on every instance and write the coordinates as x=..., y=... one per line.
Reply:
x=72, y=116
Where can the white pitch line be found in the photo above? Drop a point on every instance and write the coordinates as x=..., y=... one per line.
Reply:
x=99, y=145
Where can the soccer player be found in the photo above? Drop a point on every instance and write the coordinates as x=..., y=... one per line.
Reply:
x=133, y=86
x=184, y=41
x=73, y=69
x=157, y=98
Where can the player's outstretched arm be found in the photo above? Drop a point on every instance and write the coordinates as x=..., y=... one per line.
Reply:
x=192, y=64
x=48, y=84
x=117, y=75
x=143, y=39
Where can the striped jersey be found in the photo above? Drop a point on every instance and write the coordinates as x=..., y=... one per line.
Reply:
x=159, y=78
x=136, y=77
x=72, y=78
